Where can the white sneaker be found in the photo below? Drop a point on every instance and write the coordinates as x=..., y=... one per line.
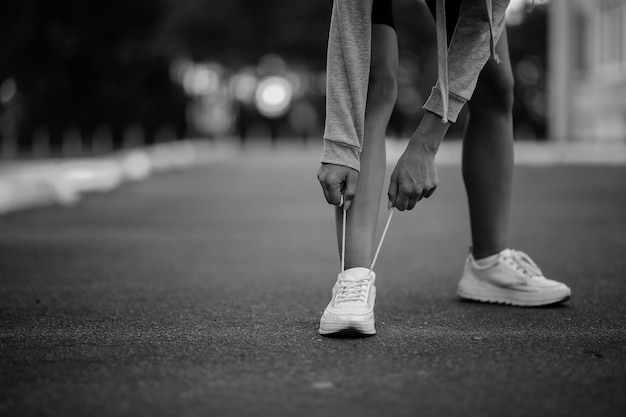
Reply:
x=352, y=306
x=512, y=279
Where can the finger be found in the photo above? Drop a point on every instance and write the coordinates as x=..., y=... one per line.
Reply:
x=412, y=202
x=401, y=203
x=419, y=193
x=430, y=192
x=322, y=180
x=325, y=190
x=349, y=189
x=334, y=193
x=393, y=191
x=402, y=199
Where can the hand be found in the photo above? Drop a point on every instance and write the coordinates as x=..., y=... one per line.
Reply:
x=338, y=180
x=414, y=178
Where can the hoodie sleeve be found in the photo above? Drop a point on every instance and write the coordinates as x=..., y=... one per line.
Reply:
x=478, y=29
x=348, y=62
x=347, y=70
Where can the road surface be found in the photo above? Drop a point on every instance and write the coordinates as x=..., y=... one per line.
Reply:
x=198, y=292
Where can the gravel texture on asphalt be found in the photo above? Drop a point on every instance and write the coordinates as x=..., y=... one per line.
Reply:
x=199, y=292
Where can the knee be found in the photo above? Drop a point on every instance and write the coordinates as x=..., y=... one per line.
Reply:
x=494, y=92
x=383, y=87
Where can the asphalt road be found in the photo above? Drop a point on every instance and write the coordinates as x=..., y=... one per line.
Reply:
x=198, y=293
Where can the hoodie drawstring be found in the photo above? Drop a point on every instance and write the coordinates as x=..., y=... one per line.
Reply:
x=492, y=40
x=442, y=55
x=343, y=237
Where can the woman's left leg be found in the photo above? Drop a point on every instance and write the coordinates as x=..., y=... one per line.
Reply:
x=381, y=96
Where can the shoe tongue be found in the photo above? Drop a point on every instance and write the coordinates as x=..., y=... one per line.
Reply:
x=505, y=253
x=354, y=274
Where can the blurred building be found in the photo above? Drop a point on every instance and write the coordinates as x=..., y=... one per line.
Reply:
x=587, y=53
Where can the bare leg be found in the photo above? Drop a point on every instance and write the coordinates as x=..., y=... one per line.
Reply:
x=488, y=155
x=381, y=96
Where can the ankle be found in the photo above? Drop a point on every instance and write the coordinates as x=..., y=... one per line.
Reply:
x=485, y=262
x=356, y=266
x=480, y=254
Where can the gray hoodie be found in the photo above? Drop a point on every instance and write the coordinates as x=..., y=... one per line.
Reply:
x=348, y=62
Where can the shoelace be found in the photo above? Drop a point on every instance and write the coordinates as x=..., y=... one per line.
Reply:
x=522, y=262
x=343, y=238
x=351, y=291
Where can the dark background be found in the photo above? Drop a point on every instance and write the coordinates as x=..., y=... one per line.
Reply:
x=80, y=65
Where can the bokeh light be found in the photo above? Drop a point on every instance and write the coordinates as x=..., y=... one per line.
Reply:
x=8, y=90
x=273, y=96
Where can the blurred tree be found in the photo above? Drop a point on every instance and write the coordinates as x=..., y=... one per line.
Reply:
x=87, y=63
x=239, y=32
x=528, y=49
x=91, y=62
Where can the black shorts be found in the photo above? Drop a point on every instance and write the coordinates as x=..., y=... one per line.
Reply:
x=382, y=12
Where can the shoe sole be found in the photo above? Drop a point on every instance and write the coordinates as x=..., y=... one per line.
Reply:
x=350, y=328
x=497, y=296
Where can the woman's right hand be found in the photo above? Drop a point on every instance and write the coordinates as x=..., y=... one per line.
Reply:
x=338, y=180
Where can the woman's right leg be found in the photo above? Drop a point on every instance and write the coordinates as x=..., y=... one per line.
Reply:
x=362, y=216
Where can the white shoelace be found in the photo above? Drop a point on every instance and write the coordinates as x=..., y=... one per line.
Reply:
x=356, y=291
x=522, y=262
x=352, y=291
x=343, y=238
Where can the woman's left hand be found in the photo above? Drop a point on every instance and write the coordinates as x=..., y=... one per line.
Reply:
x=414, y=178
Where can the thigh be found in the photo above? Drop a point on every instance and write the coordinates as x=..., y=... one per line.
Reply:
x=384, y=62
x=495, y=80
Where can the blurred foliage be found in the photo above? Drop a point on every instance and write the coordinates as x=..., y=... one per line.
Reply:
x=88, y=63
x=239, y=32
x=528, y=43
x=92, y=62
